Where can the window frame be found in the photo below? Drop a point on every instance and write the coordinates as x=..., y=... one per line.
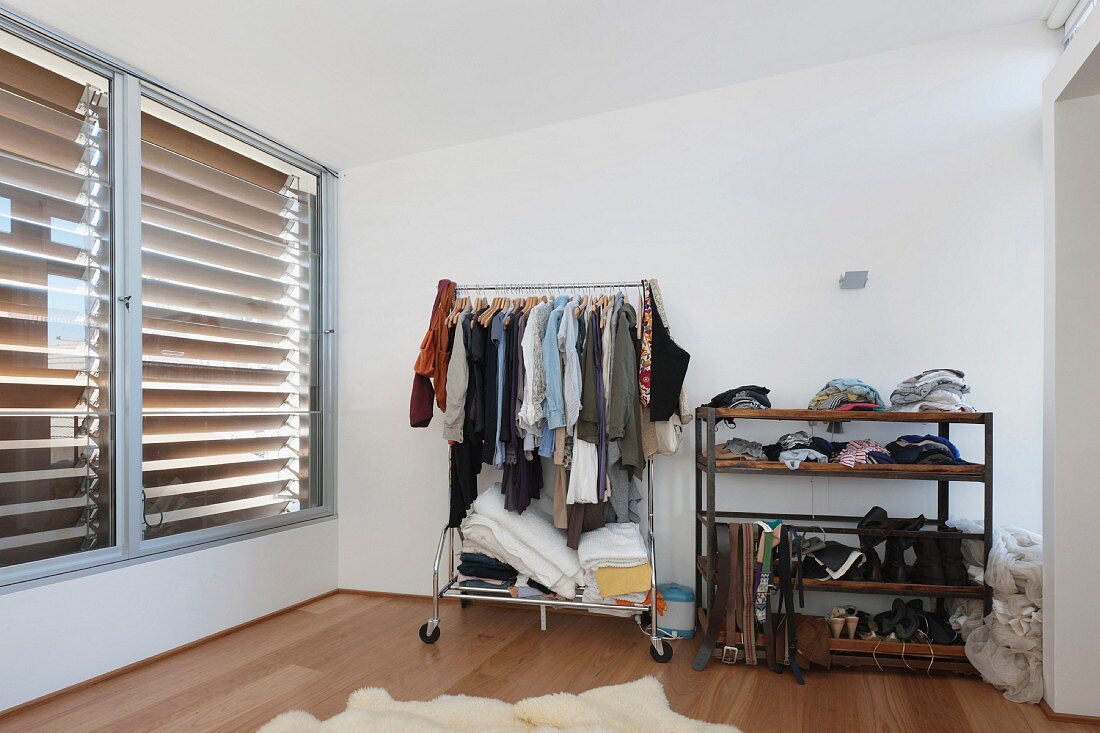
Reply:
x=127, y=89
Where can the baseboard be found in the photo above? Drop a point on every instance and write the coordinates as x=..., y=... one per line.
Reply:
x=385, y=594
x=157, y=657
x=1067, y=717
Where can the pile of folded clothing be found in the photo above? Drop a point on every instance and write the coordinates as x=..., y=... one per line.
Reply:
x=863, y=451
x=528, y=542
x=846, y=394
x=936, y=390
x=477, y=570
x=794, y=448
x=615, y=565
x=745, y=397
x=739, y=449
x=927, y=449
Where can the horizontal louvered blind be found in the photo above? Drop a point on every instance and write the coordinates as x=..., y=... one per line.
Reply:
x=227, y=330
x=55, y=493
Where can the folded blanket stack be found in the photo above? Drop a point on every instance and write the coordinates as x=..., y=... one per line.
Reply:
x=527, y=542
x=615, y=564
x=935, y=390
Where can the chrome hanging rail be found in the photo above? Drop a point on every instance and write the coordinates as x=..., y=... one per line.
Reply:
x=549, y=286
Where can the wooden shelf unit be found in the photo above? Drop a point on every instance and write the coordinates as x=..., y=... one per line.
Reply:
x=850, y=652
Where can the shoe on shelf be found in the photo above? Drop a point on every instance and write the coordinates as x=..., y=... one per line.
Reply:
x=935, y=627
x=876, y=518
x=894, y=569
x=954, y=569
x=928, y=567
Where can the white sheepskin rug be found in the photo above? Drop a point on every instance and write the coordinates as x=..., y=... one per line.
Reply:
x=635, y=707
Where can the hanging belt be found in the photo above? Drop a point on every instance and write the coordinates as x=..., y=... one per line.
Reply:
x=786, y=602
x=719, y=602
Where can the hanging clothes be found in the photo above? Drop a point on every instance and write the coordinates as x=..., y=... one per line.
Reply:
x=466, y=453
x=430, y=370
x=669, y=367
x=550, y=379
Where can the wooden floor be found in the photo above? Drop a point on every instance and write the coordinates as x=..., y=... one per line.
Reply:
x=313, y=657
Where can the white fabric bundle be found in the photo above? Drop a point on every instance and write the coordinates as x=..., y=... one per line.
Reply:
x=1007, y=646
x=612, y=545
x=529, y=542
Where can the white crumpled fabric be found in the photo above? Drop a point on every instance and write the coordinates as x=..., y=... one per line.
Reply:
x=1006, y=647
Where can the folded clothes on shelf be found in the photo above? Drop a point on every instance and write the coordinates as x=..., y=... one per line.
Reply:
x=739, y=449
x=935, y=390
x=926, y=449
x=480, y=565
x=794, y=448
x=847, y=394
x=745, y=397
x=615, y=547
x=863, y=451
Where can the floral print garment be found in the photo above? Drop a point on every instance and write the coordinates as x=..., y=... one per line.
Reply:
x=646, y=361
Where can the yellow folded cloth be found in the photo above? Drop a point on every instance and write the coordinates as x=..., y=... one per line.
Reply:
x=620, y=581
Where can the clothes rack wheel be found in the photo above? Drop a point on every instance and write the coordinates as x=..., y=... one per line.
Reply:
x=664, y=655
x=429, y=637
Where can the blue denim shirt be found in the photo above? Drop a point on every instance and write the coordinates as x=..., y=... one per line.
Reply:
x=553, y=404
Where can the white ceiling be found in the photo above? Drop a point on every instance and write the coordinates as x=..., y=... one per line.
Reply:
x=355, y=81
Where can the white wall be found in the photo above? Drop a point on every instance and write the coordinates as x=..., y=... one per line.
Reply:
x=66, y=632
x=747, y=202
x=1071, y=502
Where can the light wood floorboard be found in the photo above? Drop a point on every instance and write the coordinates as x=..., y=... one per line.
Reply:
x=313, y=657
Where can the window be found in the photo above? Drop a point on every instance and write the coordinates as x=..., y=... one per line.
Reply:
x=200, y=279
x=55, y=325
x=228, y=259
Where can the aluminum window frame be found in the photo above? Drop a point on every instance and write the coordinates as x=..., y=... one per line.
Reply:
x=128, y=86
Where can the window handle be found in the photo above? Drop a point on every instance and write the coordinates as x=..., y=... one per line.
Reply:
x=125, y=300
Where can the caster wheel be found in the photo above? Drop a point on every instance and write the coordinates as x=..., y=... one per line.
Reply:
x=434, y=636
x=661, y=657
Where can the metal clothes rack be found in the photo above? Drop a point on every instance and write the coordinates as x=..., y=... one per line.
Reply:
x=644, y=614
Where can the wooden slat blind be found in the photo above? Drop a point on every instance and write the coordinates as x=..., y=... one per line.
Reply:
x=55, y=496
x=226, y=293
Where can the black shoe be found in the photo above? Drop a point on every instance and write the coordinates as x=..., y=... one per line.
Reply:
x=874, y=519
x=901, y=621
x=928, y=568
x=954, y=569
x=936, y=627
x=893, y=566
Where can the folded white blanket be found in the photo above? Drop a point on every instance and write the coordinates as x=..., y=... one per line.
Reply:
x=533, y=545
x=614, y=545
x=481, y=534
x=534, y=528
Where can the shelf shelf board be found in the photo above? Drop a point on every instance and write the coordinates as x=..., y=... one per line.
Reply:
x=968, y=418
x=908, y=471
x=971, y=590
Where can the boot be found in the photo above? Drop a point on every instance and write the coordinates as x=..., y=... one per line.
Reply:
x=893, y=566
x=928, y=567
x=874, y=519
x=954, y=569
